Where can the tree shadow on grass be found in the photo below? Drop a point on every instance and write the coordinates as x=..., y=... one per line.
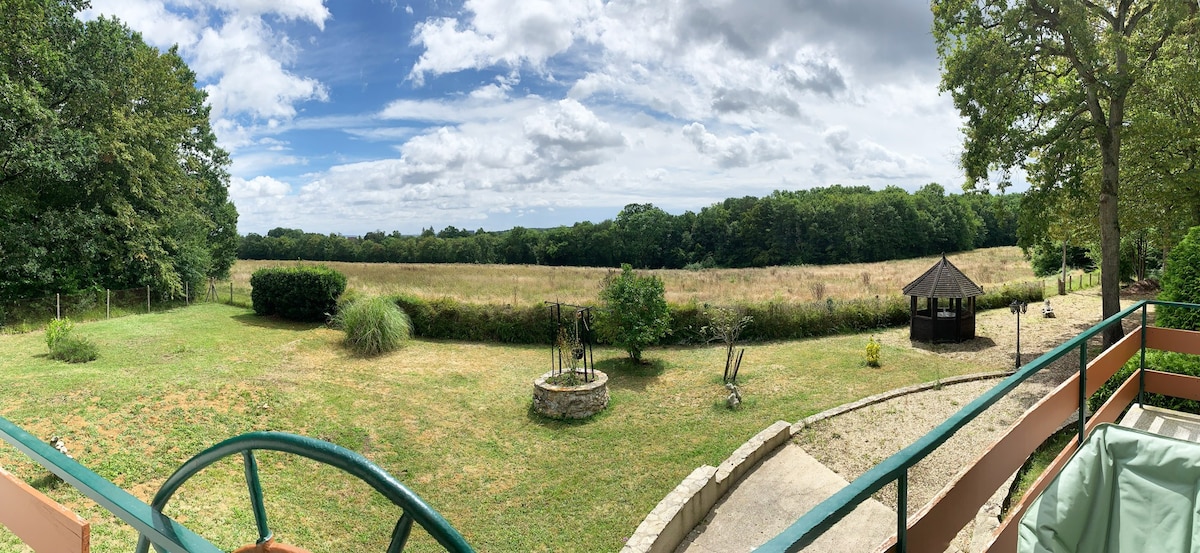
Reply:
x=47, y=482
x=627, y=374
x=274, y=322
x=979, y=343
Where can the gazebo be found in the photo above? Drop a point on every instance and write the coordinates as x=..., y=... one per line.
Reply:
x=934, y=321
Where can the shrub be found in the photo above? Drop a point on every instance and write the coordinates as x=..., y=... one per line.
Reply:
x=1181, y=283
x=64, y=346
x=872, y=353
x=1028, y=292
x=297, y=293
x=56, y=330
x=74, y=349
x=635, y=313
x=374, y=325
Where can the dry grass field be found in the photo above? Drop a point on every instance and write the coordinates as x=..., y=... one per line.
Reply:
x=524, y=284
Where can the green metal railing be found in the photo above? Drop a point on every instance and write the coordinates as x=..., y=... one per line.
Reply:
x=167, y=535
x=811, y=525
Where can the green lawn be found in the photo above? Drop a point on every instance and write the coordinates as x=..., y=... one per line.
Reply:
x=450, y=420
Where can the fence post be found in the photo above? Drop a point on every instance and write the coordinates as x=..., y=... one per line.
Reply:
x=57, y=306
x=147, y=298
x=107, y=303
x=187, y=300
x=231, y=292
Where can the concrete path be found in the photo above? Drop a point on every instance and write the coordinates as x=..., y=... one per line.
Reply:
x=787, y=484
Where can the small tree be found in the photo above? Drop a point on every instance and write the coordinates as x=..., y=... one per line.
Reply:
x=872, y=352
x=635, y=313
x=726, y=324
x=1181, y=282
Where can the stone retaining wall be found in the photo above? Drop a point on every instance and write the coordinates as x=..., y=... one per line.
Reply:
x=682, y=509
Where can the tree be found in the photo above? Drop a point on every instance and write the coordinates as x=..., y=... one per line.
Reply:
x=109, y=171
x=635, y=313
x=1181, y=282
x=1044, y=87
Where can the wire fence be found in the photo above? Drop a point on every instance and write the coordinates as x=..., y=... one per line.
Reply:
x=28, y=314
x=1078, y=280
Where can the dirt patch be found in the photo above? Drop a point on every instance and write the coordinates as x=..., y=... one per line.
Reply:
x=854, y=442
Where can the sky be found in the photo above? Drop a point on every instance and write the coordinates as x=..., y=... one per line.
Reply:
x=348, y=116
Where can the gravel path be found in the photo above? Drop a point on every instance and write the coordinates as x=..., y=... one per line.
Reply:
x=856, y=441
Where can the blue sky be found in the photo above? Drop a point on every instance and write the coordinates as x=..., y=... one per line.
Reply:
x=351, y=116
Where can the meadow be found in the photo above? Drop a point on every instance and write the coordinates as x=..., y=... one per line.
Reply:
x=451, y=420
x=527, y=284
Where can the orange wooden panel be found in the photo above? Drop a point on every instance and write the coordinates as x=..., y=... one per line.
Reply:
x=1005, y=538
x=39, y=521
x=1111, y=360
x=1173, y=339
x=1171, y=384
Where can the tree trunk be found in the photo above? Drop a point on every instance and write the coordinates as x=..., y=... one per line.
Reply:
x=1110, y=241
x=1063, y=278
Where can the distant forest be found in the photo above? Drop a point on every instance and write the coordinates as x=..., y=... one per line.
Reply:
x=818, y=226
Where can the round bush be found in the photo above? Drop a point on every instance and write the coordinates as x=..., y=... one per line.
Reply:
x=296, y=293
x=374, y=326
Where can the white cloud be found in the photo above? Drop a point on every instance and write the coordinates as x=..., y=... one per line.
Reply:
x=500, y=32
x=737, y=151
x=246, y=61
x=867, y=158
x=257, y=187
x=569, y=136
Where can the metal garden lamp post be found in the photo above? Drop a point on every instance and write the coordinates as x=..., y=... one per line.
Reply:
x=1017, y=308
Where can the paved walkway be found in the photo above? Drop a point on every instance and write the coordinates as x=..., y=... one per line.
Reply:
x=787, y=484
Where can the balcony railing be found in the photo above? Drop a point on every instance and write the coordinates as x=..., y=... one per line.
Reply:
x=168, y=535
x=936, y=524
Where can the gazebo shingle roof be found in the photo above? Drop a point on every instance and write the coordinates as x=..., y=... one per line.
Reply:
x=943, y=280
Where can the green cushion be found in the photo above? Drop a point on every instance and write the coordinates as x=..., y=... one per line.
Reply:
x=1124, y=491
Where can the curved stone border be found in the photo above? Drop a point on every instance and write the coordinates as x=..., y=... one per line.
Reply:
x=892, y=394
x=570, y=402
x=686, y=506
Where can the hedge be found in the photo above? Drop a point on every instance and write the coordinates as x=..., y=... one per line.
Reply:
x=448, y=319
x=1181, y=283
x=452, y=320
x=297, y=293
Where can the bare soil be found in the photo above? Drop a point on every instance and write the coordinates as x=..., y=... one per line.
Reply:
x=854, y=442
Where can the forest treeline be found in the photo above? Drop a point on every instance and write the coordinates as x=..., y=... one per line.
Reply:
x=818, y=226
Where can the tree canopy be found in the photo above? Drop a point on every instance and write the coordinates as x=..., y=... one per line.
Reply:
x=110, y=175
x=1047, y=86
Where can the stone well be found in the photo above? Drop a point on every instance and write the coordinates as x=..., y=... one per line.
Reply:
x=570, y=402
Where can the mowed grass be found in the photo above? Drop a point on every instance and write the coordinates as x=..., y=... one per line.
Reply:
x=450, y=420
x=525, y=284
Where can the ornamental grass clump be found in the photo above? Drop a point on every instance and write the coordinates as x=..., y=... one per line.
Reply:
x=374, y=325
x=66, y=347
